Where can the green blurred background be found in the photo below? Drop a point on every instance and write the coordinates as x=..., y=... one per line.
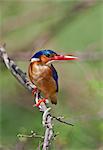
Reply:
x=66, y=27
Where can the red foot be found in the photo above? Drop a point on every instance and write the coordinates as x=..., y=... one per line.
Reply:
x=34, y=91
x=40, y=101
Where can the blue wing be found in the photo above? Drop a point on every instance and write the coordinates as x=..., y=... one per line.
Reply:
x=55, y=76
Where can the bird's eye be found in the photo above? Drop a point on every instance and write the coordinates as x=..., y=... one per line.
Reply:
x=48, y=55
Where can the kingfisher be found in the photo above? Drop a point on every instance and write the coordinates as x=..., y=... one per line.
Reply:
x=43, y=74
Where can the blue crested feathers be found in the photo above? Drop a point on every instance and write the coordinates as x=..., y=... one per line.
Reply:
x=43, y=52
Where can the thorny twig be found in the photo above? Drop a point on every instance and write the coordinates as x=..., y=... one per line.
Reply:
x=62, y=121
x=32, y=135
x=23, y=79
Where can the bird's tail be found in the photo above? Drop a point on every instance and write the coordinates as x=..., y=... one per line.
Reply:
x=53, y=99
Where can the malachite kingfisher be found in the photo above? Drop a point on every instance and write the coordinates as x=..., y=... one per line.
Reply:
x=43, y=74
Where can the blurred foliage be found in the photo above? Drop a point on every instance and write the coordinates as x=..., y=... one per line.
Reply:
x=66, y=26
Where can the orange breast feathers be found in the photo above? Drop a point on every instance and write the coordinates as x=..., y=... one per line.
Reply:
x=41, y=76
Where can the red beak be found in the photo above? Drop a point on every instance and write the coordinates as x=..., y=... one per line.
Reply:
x=62, y=57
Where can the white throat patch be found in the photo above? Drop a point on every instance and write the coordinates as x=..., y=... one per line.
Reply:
x=49, y=62
x=34, y=59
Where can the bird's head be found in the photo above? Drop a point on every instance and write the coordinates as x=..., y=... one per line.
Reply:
x=48, y=56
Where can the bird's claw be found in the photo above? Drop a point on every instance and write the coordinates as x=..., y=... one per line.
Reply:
x=34, y=91
x=39, y=102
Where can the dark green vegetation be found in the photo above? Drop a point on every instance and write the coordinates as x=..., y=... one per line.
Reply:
x=70, y=26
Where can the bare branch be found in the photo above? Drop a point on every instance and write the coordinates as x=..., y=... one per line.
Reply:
x=15, y=70
x=32, y=135
x=62, y=121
